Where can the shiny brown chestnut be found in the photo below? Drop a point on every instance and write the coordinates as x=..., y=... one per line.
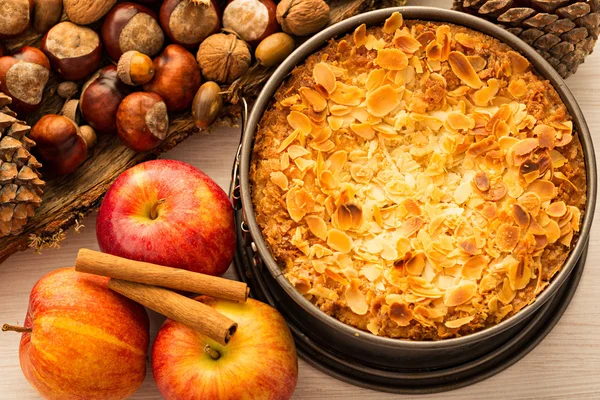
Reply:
x=131, y=26
x=74, y=51
x=60, y=143
x=15, y=17
x=23, y=76
x=46, y=14
x=142, y=121
x=188, y=23
x=176, y=77
x=252, y=20
x=100, y=99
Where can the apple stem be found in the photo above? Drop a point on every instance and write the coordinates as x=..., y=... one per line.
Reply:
x=215, y=355
x=12, y=328
x=154, y=210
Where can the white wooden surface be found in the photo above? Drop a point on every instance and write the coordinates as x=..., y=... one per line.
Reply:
x=566, y=365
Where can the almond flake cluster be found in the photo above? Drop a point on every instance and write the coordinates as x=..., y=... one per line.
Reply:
x=416, y=193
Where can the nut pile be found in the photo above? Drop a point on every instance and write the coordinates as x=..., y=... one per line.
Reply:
x=422, y=183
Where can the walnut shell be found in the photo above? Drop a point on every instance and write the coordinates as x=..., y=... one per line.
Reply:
x=85, y=12
x=302, y=17
x=224, y=57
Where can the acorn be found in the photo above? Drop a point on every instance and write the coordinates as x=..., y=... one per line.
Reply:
x=135, y=68
x=274, y=49
x=207, y=105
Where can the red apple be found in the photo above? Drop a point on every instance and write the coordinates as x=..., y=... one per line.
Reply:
x=169, y=213
x=83, y=340
x=259, y=362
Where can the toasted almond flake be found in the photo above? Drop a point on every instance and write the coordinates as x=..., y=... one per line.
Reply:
x=507, y=237
x=519, y=274
x=303, y=164
x=544, y=189
x=405, y=42
x=473, y=267
x=466, y=40
x=323, y=76
x=296, y=151
x=327, y=180
x=460, y=121
x=469, y=246
x=279, y=179
x=564, y=140
x=519, y=64
x=484, y=95
x=284, y=161
x=557, y=209
x=517, y=88
x=314, y=99
x=391, y=59
x=382, y=100
x=506, y=295
x=289, y=140
x=339, y=110
x=401, y=314
x=290, y=101
x=477, y=62
x=296, y=203
x=355, y=298
x=500, y=129
x=415, y=265
x=463, y=69
x=525, y=146
x=425, y=38
x=482, y=147
x=374, y=43
x=457, y=295
x=317, y=226
x=347, y=95
x=375, y=79
x=339, y=241
x=481, y=181
x=502, y=114
x=457, y=323
x=325, y=146
x=411, y=226
x=507, y=142
x=393, y=22
x=299, y=122
x=462, y=193
x=552, y=231
x=335, y=123
x=521, y=216
x=337, y=160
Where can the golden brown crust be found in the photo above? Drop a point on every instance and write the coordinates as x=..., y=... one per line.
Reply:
x=428, y=200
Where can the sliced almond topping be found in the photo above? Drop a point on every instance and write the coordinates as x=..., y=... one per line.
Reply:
x=457, y=323
x=289, y=140
x=481, y=181
x=337, y=160
x=564, y=140
x=411, y=226
x=519, y=274
x=552, y=231
x=339, y=241
x=557, y=209
x=544, y=189
x=347, y=95
x=474, y=266
x=425, y=38
x=517, y=88
x=279, y=179
x=482, y=147
x=335, y=123
x=325, y=146
x=415, y=265
x=394, y=22
x=521, y=216
x=296, y=151
x=401, y=314
x=317, y=226
x=457, y=295
x=298, y=202
x=391, y=59
x=466, y=40
x=375, y=79
x=502, y=114
x=343, y=218
x=327, y=180
x=405, y=42
x=460, y=121
x=290, y=101
x=477, y=62
x=382, y=100
x=312, y=97
x=365, y=130
x=360, y=174
x=303, y=164
x=412, y=207
x=497, y=192
x=535, y=228
x=462, y=193
x=506, y=295
x=299, y=122
x=519, y=64
x=469, y=246
x=525, y=146
x=355, y=298
x=484, y=95
x=507, y=237
x=339, y=110
x=323, y=76
x=463, y=69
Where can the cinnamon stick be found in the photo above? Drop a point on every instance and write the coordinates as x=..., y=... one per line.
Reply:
x=189, y=312
x=95, y=262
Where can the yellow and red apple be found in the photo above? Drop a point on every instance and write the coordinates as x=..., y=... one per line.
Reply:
x=259, y=362
x=167, y=212
x=82, y=340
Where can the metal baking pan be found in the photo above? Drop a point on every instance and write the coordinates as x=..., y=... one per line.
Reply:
x=362, y=347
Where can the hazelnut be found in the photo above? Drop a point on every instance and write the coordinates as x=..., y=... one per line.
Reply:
x=274, y=49
x=188, y=23
x=46, y=14
x=100, y=99
x=224, y=57
x=135, y=68
x=15, y=17
x=67, y=89
x=176, y=77
x=302, y=17
x=207, y=105
x=71, y=110
x=23, y=76
x=74, y=51
x=142, y=121
x=131, y=26
x=59, y=143
x=252, y=20
x=85, y=12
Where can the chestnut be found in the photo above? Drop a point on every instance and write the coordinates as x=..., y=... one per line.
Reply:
x=176, y=77
x=131, y=26
x=135, y=68
x=15, y=17
x=188, y=23
x=23, y=76
x=3, y=50
x=60, y=143
x=100, y=99
x=46, y=14
x=252, y=20
x=142, y=121
x=74, y=51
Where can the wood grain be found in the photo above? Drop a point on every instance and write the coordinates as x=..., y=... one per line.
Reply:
x=566, y=365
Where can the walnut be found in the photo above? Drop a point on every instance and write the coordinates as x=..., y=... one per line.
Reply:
x=85, y=12
x=302, y=17
x=224, y=57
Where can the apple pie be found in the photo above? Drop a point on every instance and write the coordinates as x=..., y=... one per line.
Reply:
x=418, y=180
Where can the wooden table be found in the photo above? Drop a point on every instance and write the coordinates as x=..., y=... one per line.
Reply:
x=566, y=365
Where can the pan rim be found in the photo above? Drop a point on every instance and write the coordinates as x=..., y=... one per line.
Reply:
x=426, y=14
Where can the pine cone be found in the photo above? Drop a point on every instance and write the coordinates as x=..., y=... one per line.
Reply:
x=20, y=183
x=564, y=32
